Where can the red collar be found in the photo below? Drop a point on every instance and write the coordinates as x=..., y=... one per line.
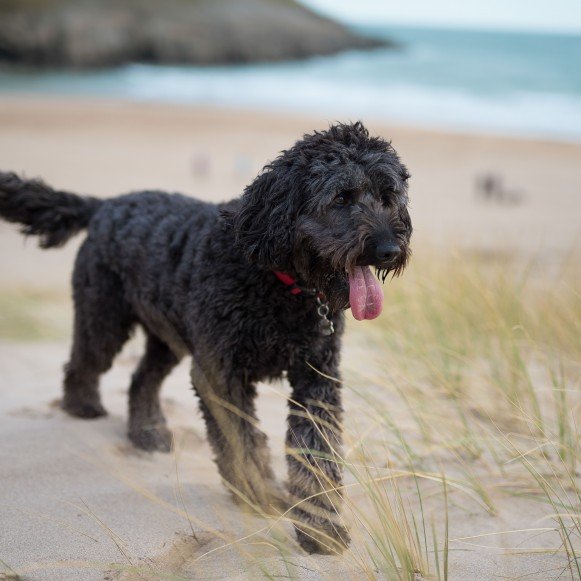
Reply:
x=289, y=281
x=326, y=327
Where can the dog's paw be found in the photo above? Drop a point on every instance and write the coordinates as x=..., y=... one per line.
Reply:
x=154, y=438
x=87, y=410
x=325, y=538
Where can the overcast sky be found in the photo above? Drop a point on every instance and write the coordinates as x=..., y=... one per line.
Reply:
x=545, y=15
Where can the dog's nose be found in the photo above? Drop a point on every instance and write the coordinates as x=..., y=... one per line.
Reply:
x=387, y=251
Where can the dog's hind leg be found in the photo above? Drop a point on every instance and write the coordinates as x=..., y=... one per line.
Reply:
x=103, y=323
x=240, y=447
x=147, y=429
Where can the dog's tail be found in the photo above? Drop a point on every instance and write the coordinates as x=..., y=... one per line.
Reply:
x=53, y=215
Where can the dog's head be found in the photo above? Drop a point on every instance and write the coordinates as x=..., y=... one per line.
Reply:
x=329, y=210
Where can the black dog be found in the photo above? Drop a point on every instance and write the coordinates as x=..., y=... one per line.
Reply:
x=250, y=289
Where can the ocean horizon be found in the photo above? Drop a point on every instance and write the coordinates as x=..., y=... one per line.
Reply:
x=508, y=83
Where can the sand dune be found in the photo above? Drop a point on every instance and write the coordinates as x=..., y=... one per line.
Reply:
x=76, y=501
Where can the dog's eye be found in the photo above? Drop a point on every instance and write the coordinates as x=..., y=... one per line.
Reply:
x=341, y=200
x=388, y=197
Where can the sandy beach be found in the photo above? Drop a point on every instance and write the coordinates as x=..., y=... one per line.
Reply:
x=76, y=501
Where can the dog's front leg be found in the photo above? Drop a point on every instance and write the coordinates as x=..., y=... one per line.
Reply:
x=240, y=448
x=314, y=457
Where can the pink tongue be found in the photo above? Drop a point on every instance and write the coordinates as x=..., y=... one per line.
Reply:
x=365, y=294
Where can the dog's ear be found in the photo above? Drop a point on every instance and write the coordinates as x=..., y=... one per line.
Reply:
x=265, y=218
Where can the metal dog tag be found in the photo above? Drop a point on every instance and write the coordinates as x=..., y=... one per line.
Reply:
x=326, y=326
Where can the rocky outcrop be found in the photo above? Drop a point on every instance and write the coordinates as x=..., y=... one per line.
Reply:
x=98, y=33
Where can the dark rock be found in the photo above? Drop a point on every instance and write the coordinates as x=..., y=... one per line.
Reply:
x=98, y=33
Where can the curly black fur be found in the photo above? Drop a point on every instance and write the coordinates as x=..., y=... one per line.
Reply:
x=53, y=215
x=199, y=279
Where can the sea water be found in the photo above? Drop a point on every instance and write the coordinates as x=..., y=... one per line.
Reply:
x=500, y=82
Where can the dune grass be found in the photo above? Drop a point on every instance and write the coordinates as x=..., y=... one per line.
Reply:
x=465, y=394
x=476, y=385
x=467, y=391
